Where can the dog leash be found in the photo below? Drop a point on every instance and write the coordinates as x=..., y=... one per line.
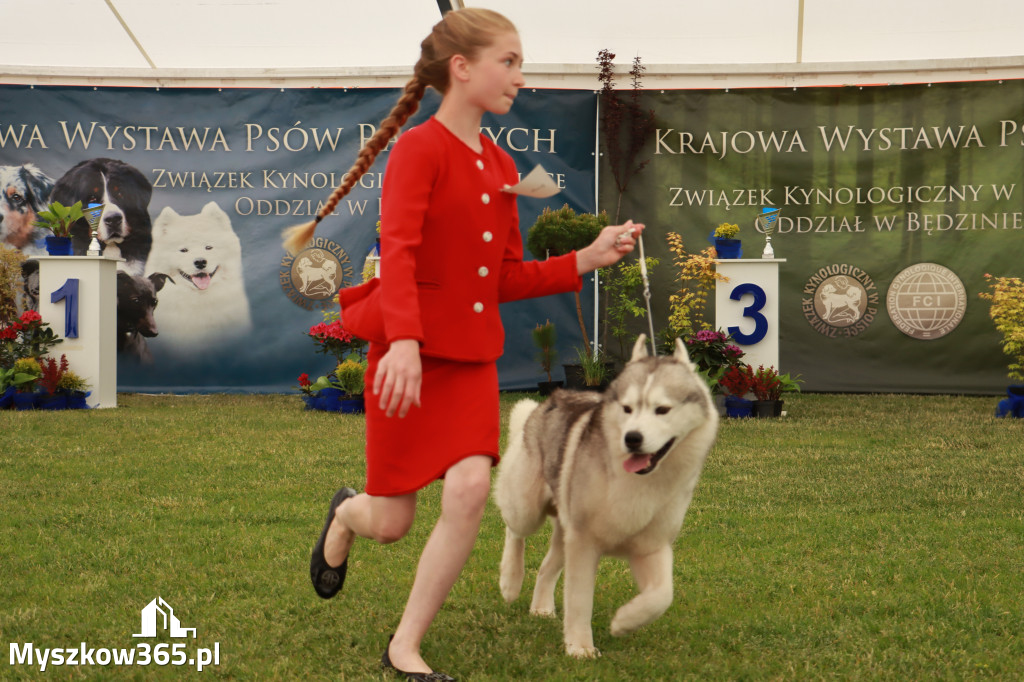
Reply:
x=647, y=286
x=647, y=294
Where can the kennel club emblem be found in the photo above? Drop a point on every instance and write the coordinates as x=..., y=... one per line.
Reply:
x=926, y=301
x=840, y=300
x=313, y=276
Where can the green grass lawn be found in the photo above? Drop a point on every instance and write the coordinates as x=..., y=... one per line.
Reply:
x=860, y=537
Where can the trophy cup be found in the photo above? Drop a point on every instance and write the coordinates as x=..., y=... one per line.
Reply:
x=92, y=215
x=768, y=222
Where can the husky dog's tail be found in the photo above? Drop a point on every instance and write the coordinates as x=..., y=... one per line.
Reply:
x=518, y=492
x=521, y=411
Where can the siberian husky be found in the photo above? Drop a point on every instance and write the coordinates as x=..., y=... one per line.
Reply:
x=615, y=472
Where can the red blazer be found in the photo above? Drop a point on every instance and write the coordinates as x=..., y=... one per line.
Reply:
x=451, y=250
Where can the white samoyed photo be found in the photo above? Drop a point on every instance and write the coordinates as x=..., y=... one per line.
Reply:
x=203, y=305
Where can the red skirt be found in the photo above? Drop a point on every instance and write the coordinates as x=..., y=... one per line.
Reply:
x=459, y=418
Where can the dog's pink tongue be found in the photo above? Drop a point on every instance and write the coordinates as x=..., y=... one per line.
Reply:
x=637, y=463
x=202, y=280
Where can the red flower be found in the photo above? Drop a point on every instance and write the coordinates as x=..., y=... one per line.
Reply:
x=30, y=316
x=304, y=380
x=9, y=333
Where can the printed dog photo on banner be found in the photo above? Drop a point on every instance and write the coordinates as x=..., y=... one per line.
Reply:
x=125, y=226
x=203, y=304
x=24, y=191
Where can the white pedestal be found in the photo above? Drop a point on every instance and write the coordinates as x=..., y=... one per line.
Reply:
x=93, y=354
x=747, y=306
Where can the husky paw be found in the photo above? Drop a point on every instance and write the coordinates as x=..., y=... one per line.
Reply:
x=577, y=651
x=510, y=589
x=542, y=611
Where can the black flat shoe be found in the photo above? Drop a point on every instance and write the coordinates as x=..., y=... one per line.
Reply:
x=328, y=580
x=385, y=663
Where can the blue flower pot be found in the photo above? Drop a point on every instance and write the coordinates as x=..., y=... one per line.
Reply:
x=328, y=400
x=56, y=401
x=7, y=397
x=352, y=405
x=1013, y=405
x=24, y=401
x=76, y=400
x=738, y=408
x=58, y=246
x=728, y=248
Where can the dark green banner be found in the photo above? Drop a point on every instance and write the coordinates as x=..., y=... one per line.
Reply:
x=895, y=201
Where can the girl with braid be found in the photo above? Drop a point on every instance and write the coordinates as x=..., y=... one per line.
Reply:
x=451, y=252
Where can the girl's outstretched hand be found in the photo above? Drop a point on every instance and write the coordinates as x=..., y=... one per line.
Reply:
x=399, y=377
x=614, y=242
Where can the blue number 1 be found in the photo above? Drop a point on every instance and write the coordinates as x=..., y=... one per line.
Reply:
x=753, y=311
x=69, y=294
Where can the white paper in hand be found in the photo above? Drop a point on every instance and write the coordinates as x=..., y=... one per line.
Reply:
x=537, y=184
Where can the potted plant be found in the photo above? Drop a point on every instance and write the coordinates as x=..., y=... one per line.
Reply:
x=332, y=338
x=557, y=233
x=596, y=371
x=1006, y=296
x=737, y=382
x=544, y=338
x=696, y=277
x=75, y=389
x=27, y=337
x=15, y=379
x=351, y=377
x=727, y=245
x=58, y=219
x=768, y=387
x=25, y=376
x=50, y=398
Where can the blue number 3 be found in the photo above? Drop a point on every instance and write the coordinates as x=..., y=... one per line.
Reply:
x=753, y=311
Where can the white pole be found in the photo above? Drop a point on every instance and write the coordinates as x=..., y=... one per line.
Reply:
x=597, y=174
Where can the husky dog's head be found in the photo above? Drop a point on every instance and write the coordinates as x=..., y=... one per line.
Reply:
x=656, y=402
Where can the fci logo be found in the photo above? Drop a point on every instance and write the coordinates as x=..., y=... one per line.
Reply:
x=160, y=612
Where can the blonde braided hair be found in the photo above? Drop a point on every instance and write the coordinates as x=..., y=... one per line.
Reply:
x=463, y=32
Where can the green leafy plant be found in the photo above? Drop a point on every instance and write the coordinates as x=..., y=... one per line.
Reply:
x=595, y=369
x=622, y=284
x=557, y=233
x=1006, y=296
x=58, y=218
x=544, y=337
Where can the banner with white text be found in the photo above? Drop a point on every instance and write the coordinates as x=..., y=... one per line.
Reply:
x=198, y=185
x=895, y=201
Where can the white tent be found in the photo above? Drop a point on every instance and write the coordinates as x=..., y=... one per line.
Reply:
x=683, y=43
